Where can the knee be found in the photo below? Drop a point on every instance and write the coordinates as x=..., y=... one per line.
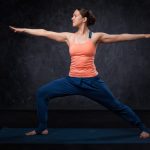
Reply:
x=40, y=93
x=44, y=93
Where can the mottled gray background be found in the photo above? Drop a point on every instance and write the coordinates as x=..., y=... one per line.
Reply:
x=27, y=62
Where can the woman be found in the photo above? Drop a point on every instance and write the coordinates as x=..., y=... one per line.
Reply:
x=83, y=78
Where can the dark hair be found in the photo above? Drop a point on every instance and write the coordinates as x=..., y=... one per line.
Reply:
x=91, y=19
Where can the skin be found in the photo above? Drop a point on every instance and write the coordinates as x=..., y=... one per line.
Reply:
x=81, y=36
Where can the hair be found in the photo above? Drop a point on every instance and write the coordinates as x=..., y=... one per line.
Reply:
x=91, y=19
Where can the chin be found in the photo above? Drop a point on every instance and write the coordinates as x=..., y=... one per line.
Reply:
x=74, y=25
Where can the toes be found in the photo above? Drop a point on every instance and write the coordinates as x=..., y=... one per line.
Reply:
x=45, y=132
x=30, y=133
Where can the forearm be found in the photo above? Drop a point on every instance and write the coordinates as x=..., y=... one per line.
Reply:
x=35, y=32
x=108, y=38
x=126, y=36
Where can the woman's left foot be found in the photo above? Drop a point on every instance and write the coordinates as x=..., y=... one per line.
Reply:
x=144, y=135
x=31, y=133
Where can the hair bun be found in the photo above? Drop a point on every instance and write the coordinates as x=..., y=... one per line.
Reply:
x=91, y=19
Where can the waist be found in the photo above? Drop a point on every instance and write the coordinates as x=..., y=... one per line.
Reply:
x=91, y=77
x=83, y=72
x=82, y=66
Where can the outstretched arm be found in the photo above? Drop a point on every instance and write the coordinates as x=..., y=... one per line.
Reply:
x=108, y=38
x=60, y=37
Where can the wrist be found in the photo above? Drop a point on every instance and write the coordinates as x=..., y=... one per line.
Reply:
x=147, y=35
x=24, y=30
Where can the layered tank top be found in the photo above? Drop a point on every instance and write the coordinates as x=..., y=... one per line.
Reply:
x=82, y=59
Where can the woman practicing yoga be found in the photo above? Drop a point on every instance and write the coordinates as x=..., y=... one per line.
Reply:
x=83, y=78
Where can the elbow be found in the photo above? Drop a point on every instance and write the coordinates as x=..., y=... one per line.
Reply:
x=43, y=32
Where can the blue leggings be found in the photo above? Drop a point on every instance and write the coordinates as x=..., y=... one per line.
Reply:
x=91, y=87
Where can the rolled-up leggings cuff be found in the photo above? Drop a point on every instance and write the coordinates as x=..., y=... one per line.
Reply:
x=142, y=127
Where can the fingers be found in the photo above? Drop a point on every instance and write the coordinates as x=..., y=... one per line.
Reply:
x=13, y=28
x=19, y=30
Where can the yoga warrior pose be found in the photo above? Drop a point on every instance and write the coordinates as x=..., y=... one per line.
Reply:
x=83, y=78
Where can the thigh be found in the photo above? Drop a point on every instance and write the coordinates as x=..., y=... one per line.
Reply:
x=57, y=88
x=102, y=94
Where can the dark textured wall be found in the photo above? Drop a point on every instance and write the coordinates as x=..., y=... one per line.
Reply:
x=27, y=62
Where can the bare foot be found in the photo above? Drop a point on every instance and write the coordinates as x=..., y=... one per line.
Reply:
x=31, y=133
x=144, y=135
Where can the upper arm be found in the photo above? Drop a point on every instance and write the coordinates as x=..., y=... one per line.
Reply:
x=107, y=38
x=57, y=36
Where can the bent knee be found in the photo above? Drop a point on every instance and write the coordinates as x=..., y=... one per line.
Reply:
x=40, y=92
x=43, y=93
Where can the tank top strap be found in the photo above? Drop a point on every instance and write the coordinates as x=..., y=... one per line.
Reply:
x=90, y=34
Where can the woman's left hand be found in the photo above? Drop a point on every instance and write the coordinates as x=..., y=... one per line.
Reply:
x=147, y=35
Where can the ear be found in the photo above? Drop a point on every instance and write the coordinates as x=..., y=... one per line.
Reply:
x=85, y=19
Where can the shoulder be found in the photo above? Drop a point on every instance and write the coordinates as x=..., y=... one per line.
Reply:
x=96, y=36
x=99, y=34
x=68, y=34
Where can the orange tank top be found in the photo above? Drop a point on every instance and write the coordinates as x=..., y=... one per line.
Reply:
x=82, y=59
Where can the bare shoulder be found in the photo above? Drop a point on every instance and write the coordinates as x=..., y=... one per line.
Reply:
x=96, y=36
x=70, y=36
x=67, y=34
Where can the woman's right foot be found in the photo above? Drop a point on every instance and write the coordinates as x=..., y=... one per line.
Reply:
x=144, y=135
x=31, y=133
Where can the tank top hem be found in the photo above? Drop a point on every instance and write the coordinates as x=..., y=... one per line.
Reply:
x=82, y=76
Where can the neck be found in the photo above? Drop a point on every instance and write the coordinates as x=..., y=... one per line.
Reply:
x=83, y=30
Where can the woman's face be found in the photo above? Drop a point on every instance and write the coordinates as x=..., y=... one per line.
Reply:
x=77, y=19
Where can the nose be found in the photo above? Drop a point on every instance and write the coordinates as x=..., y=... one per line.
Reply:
x=72, y=18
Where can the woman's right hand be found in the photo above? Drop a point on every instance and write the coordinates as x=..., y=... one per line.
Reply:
x=16, y=29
